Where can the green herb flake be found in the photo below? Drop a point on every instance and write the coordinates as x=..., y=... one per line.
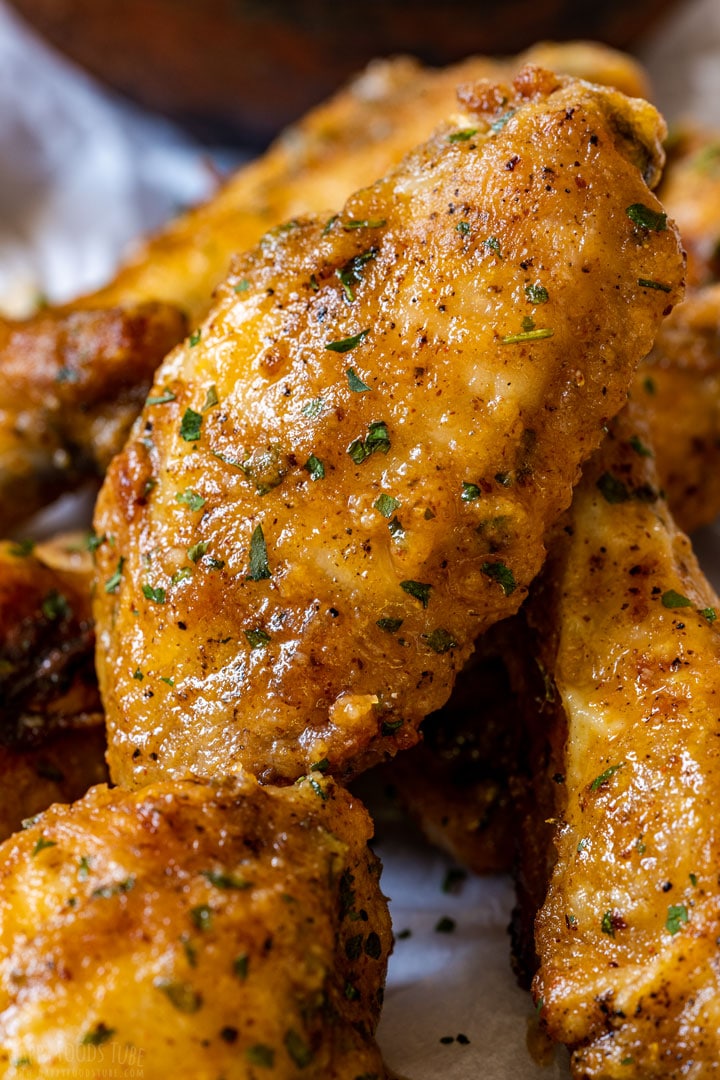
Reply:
x=418, y=590
x=320, y=766
x=22, y=1062
x=201, y=916
x=181, y=996
x=376, y=440
x=390, y=626
x=355, y=382
x=20, y=549
x=604, y=777
x=676, y=916
x=527, y=324
x=196, y=552
x=607, y=925
x=463, y=227
x=315, y=467
x=242, y=286
x=261, y=1055
x=386, y=505
x=537, y=294
x=351, y=992
x=527, y=335
x=211, y=398
x=365, y=223
x=464, y=135
x=190, y=425
x=389, y=727
x=257, y=639
x=329, y=224
x=157, y=596
x=613, y=490
x=672, y=599
x=195, y=338
x=501, y=573
x=167, y=680
x=445, y=925
x=693, y=880
x=222, y=879
x=259, y=569
x=470, y=492
x=639, y=447
x=440, y=641
x=41, y=844
x=649, y=283
x=55, y=606
x=646, y=218
x=183, y=574
x=313, y=282
x=120, y=888
x=493, y=244
x=649, y=385
x=98, y=1035
x=113, y=583
x=298, y=1050
x=500, y=123
x=240, y=965
x=630, y=1060
x=83, y=869
x=191, y=499
x=395, y=528
x=709, y=613
x=161, y=399
x=348, y=343
x=312, y=409
x=351, y=273
x=315, y=786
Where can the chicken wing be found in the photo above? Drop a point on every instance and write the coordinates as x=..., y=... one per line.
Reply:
x=195, y=932
x=72, y=384
x=347, y=472
x=628, y=935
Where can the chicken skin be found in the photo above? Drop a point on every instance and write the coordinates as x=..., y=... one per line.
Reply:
x=347, y=473
x=72, y=384
x=628, y=935
x=194, y=931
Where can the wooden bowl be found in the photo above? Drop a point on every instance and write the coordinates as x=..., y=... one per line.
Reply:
x=241, y=69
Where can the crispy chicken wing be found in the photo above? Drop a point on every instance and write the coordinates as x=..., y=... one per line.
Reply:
x=628, y=935
x=194, y=932
x=71, y=385
x=347, y=473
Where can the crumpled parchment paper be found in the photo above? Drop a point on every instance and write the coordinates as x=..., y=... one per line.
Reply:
x=81, y=175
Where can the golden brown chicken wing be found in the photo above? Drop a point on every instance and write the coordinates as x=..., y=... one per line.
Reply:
x=71, y=385
x=628, y=935
x=347, y=473
x=194, y=931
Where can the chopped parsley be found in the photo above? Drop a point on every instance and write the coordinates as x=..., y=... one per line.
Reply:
x=440, y=641
x=196, y=552
x=137, y=674
x=377, y=439
x=351, y=272
x=190, y=498
x=536, y=294
x=418, y=590
x=605, y=776
x=355, y=382
x=261, y=1055
x=298, y=1050
x=386, y=505
x=182, y=996
x=365, y=223
x=493, y=244
x=20, y=549
x=390, y=626
x=257, y=639
x=649, y=283
x=98, y=1035
x=240, y=965
x=156, y=595
x=676, y=916
x=463, y=227
x=201, y=916
x=242, y=286
x=500, y=123
x=211, y=398
x=639, y=447
x=55, y=606
x=259, y=569
x=646, y=218
x=161, y=399
x=195, y=338
x=501, y=573
x=672, y=599
x=527, y=335
x=464, y=135
x=315, y=467
x=348, y=343
x=613, y=491
x=389, y=727
x=312, y=409
x=41, y=844
x=221, y=879
x=113, y=583
x=470, y=492
x=709, y=613
x=607, y=924
x=190, y=425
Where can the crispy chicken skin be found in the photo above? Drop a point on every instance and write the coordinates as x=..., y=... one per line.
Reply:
x=310, y=559
x=71, y=385
x=194, y=931
x=628, y=935
x=342, y=145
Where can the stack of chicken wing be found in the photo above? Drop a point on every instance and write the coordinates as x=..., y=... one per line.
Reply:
x=390, y=436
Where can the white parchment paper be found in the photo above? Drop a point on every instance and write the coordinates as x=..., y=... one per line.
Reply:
x=82, y=175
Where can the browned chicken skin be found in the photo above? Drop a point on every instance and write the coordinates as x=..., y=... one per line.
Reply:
x=71, y=385
x=345, y=456
x=627, y=936
x=193, y=932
